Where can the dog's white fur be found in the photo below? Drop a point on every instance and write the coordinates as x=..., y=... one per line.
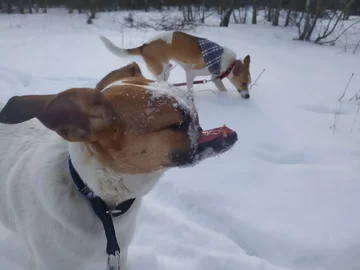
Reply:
x=39, y=200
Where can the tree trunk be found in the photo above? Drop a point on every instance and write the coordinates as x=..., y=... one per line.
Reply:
x=254, y=13
x=235, y=18
x=190, y=13
x=9, y=7
x=226, y=17
x=30, y=6
x=269, y=15
x=275, y=21
x=44, y=9
x=288, y=15
x=92, y=7
x=347, y=10
x=317, y=16
x=307, y=20
x=203, y=12
x=21, y=7
x=243, y=21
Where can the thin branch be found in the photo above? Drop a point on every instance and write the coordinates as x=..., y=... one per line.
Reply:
x=344, y=31
x=352, y=75
x=328, y=33
x=356, y=96
x=357, y=113
x=257, y=78
x=356, y=47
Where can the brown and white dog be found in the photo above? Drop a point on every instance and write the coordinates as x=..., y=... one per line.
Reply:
x=121, y=138
x=197, y=56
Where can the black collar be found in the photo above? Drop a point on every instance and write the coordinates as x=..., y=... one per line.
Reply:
x=101, y=209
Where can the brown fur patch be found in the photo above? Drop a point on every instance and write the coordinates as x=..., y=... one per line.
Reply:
x=142, y=142
x=184, y=48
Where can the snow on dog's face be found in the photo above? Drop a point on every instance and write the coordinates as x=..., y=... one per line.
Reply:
x=134, y=126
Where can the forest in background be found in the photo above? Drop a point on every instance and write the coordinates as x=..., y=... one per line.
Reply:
x=306, y=15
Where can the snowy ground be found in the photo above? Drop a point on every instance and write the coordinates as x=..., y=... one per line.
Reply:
x=286, y=196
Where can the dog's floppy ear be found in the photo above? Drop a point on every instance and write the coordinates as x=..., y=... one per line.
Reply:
x=23, y=108
x=73, y=114
x=238, y=68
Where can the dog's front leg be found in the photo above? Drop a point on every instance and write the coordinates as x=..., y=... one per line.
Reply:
x=218, y=83
x=190, y=80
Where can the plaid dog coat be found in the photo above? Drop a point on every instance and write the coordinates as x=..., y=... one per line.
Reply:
x=211, y=53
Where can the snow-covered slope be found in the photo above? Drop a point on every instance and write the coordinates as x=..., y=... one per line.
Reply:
x=285, y=197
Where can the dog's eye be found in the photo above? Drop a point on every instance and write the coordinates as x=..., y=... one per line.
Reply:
x=178, y=126
x=244, y=84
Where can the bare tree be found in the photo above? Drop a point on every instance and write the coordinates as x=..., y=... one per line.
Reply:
x=275, y=21
x=44, y=6
x=329, y=30
x=315, y=19
x=269, y=14
x=348, y=5
x=226, y=17
x=21, y=6
x=9, y=6
x=306, y=27
x=254, y=13
x=36, y=6
x=288, y=16
x=30, y=6
x=341, y=33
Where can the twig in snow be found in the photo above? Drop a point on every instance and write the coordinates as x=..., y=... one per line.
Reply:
x=257, y=78
x=356, y=47
x=356, y=96
x=357, y=113
x=352, y=75
x=208, y=91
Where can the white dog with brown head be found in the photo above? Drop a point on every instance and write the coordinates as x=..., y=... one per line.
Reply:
x=120, y=141
x=197, y=56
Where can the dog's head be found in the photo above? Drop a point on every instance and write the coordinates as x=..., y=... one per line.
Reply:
x=240, y=76
x=136, y=126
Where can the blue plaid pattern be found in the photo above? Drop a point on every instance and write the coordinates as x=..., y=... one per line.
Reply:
x=211, y=53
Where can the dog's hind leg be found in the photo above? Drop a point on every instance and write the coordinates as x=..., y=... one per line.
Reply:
x=165, y=73
x=160, y=70
x=190, y=76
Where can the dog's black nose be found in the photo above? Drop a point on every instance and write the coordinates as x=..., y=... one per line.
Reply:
x=247, y=96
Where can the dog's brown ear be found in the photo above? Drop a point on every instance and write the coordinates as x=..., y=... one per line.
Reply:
x=73, y=114
x=23, y=108
x=130, y=70
x=135, y=70
x=247, y=61
x=238, y=68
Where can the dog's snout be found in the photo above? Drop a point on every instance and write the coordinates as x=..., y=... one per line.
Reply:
x=244, y=94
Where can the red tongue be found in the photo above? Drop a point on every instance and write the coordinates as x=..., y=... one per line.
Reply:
x=212, y=134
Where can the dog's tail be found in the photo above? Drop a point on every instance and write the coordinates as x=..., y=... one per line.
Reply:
x=119, y=52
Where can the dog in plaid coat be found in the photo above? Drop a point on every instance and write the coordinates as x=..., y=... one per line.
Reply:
x=196, y=55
